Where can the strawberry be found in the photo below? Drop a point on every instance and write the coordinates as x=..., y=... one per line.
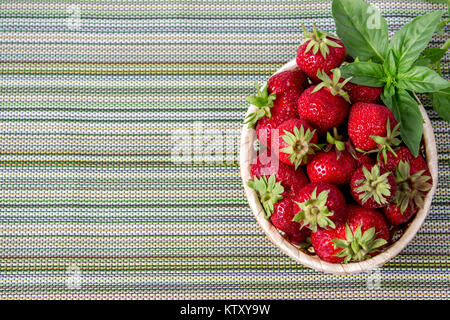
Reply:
x=297, y=142
x=403, y=154
x=413, y=184
x=269, y=190
x=319, y=51
x=363, y=159
x=266, y=127
x=321, y=205
x=332, y=166
x=328, y=167
x=367, y=218
x=396, y=216
x=373, y=187
x=325, y=105
x=292, y=180
x=324, y=247
x=276, y=102
x=359, y=93
x=413, y=180
x=282, y=218
x=300, y=237
x=278, y=208
x=362, y=236
x=288, y=83
x=373, y=127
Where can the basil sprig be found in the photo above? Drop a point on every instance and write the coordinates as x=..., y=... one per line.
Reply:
x=397, y=65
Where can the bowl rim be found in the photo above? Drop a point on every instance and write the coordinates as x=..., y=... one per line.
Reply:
x=246, y=153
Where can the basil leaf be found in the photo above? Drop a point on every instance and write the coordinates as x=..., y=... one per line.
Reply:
x=361, y=28
x=441, y=103
x=386, y=97
x=390, y=65
x=389, y=90
x=433, y=54
x=432, y=57
x=364, y=73
x=407, y=113
x=422, y=62
x=422, y=79
x=408, y=42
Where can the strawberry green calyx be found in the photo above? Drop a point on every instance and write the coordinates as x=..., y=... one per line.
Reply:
x=387, y=143
x=374, y=186
x=300, y=146
x=263, y=101
x=269, y=191
x=314, y=212
x=411, y=189
x=318, y=40
x=335, y=139
x=336, y=87
x=358, y=246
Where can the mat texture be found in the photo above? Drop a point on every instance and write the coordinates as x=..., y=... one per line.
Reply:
x=96, y=201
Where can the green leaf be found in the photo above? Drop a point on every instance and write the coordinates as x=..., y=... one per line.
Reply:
x=431, y=57
x=408, y=42
x=433, y=54
x=441, y=103
x=364, y=73
x=407, y=113
x=422, y=79
x=422, y=62
x=390, y=65
x=362, y=29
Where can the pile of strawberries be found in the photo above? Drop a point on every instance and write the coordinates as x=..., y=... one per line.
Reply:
x=332, y=172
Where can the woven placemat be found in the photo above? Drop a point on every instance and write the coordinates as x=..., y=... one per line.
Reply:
x=99, y=199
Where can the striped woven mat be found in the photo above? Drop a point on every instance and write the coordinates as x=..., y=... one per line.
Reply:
x=99, y=197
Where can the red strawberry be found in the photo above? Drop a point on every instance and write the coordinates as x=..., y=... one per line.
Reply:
x=288, y=83
x=324, y=247
x=373, y=187
x=321, y=205
x=395, y=215
x=413, y=184
x=359, y=93
x=300, y=237
x=327, y=167
x=266, y=127
x=336, y=166
x=367, y=218
x=403, y=154
x=364, y=233
x=266, y=164
x=276, y=102
x=319, y=51
x=280, y=210
x=297, y=142
x=282, y=218
x=372, y=126
x=325, y=105
x=363, y=159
